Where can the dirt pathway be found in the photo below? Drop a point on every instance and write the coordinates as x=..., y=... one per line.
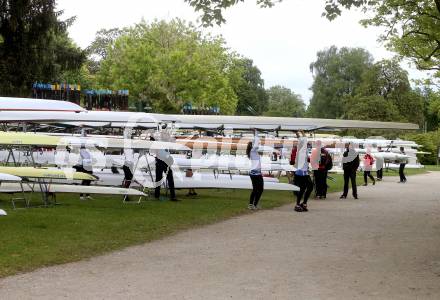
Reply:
x=384, y=246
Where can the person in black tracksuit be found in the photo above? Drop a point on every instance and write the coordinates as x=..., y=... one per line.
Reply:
x=162, y=167
x=350, y=166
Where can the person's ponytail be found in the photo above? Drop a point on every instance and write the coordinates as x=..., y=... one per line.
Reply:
x=248, y=149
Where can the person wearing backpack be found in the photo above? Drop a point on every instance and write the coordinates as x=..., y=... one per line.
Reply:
x=368, y=165
x=321, y=163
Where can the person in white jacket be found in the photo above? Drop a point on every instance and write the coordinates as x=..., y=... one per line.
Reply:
x=255, y=172
x=300, y=159
x=86, y=166
x=379, y=165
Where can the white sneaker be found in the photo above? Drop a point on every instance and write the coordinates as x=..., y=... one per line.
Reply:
x=82, y=198
x=251, y=206
x=89, y=198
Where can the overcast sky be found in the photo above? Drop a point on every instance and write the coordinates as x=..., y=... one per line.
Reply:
x=282, y=41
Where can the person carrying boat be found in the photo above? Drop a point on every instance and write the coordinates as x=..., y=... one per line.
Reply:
x=300, y=159
x=402, y=167
x=379, y=165
x=255, y=172
x=368, y=165
x=85, y=167
x=321, y=162
x=129, y=162
x=350, y=164
x=164, y=161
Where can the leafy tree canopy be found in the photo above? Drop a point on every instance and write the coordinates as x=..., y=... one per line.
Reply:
x=212, y=10
x=388, y=80
x=284, y=103
x=34, y=45
x=169, y=64
x=248, y=85
x=411, y=28
x=337, y=74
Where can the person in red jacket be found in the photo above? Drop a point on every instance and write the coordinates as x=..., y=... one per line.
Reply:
x=368, y=165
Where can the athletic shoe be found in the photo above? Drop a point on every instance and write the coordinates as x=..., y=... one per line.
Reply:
x=304, y=207
x=82, y=198
x=343, y=197
x=298, y=208
x=374, y=182
x=89, y=198
x=365, y=184
x=174, y=199
x=251, y=207
x=355, y=197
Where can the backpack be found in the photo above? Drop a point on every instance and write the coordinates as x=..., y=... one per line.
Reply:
x=371, y=159
x=329, y=163
x=293, y=156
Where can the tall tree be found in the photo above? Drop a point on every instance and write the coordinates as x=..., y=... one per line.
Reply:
x=411, y=28
x=388, y=80
x=248, y=86
x=34, y=45
x=284, y=103
x=98, y=49
x=371, y=108
x=169, y=64
x=337, y=74
x=431, y=100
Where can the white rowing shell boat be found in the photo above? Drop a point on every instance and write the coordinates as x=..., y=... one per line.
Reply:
x=9, y=177
x=71, y=189
x=189, y=182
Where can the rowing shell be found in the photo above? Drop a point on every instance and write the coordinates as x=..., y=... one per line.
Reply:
x=9, y=177
x=46, y=173
x=71, y=189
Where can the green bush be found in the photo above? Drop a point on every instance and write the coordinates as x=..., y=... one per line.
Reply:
x=430, y=142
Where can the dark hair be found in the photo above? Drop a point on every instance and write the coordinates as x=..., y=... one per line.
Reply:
x=248, y=149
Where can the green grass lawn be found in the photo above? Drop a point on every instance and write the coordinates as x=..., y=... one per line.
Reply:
x=432, y=168
x=74, y=230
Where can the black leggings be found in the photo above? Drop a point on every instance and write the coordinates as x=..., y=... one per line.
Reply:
x=320, y=182
x=379, y=173
x=368, y=173
x=401, y=172
x=305, y=185
x=162, y=167
x=128, y=176
x=350, y=175
x=80, y=168
x=257, y=189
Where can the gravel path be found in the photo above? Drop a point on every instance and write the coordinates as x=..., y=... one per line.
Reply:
x=384, y=246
